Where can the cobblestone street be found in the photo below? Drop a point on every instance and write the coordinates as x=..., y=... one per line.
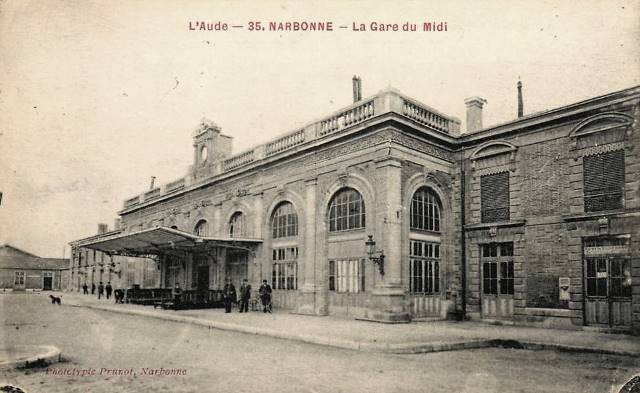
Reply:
x=218, y=361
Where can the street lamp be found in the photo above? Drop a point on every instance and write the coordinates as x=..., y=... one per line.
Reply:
x=371, y=251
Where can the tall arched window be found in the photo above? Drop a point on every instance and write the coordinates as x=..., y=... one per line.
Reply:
x=284, y=222
x=237, y=225
x=424, y=255
x=425, y=210
x=346, y=211
x=201, y=228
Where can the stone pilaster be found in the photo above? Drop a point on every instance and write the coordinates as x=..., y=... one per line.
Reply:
x=258, y=215
x=388, y=301
x=307, y=300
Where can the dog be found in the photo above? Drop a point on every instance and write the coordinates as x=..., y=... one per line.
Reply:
x=55, y=300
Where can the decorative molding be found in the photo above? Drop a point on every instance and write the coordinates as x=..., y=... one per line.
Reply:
x=602, y=122
x=592, y=151
x=493, y=150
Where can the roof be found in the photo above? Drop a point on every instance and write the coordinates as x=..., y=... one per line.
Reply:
x=32, y=262
x=155, y=241
x=8, y=249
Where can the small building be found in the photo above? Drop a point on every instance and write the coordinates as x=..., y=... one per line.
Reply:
x=535, y=221
x=22, y=271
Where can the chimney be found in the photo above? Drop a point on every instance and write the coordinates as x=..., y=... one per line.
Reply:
x=153, y=181
x=102, y=228
x=474, y=113
x=117, y=223
x=357, y=88
x=520, y=104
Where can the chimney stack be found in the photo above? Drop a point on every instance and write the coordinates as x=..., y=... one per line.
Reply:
x=102, y=228
x=357, y=88
x=153, y=182
x=474, y=113
x=520, y=104
x=117, y=223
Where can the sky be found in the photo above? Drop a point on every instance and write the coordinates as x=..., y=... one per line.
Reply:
x=97, y=97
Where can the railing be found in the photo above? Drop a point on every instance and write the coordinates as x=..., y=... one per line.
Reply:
x=284, y=143
x=152, y=194
x=425, y=116
x=132, y=201
x=389, y=101
x=175, y=185
x=238, y=161
x=347, y=118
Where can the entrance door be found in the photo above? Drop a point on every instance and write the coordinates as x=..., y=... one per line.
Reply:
x=608, y=283
x=496, y=260
x=236, y=267
x=47, y=281
x=203, y=277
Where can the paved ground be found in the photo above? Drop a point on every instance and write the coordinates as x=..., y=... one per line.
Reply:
x=348, y=333
x=220, y=361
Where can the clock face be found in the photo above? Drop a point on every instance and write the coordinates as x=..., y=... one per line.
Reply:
x=203, y=154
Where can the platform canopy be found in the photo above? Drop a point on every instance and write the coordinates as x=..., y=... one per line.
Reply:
x=162, y=240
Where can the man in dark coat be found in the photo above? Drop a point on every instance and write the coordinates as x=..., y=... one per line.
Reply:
x=108, y=289
x=93, y=288
x=100, y=290
x=265, y=296
x=230, y=297
x=245, y=295
x=85, y=289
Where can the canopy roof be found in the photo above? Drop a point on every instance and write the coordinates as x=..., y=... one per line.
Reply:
x=156, y=241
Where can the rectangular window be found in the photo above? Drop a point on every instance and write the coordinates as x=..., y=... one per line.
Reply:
x=497, y=268
x=621, y=278
x=603, y=176
x=424, y=267
x=284, y=268
x=494, y=197
x=597, y=277
x=347, y=275
x=18, y=278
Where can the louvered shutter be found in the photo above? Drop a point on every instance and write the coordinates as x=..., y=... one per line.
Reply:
x=603, y=176
x=494, y=197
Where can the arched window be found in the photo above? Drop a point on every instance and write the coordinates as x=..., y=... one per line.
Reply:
x=202, y=228
x=285, y=221
x=425, y=210
x=237, y=225
x=346, y=211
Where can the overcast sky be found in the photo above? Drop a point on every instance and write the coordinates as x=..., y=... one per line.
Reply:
x=96, y=98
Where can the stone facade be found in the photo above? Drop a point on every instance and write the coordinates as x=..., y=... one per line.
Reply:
x=400, y=157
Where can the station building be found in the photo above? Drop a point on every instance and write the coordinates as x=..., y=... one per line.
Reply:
x=386, y=211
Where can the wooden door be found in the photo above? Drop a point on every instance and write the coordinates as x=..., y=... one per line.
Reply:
x=497, y=272
x=608, y=292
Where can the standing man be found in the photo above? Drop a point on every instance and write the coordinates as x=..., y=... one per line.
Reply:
x=85, y=289
x=108, y=289
x=100, y=290
x=245, y=295
x=93, y=288
x=229, y=293
x=265, y=296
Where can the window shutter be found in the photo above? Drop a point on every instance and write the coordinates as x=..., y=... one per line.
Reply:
x=603, y=177
x=494, y=197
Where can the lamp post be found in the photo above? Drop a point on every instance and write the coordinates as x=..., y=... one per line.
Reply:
x=376, y=257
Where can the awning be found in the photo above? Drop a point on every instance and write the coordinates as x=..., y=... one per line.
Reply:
x=161, y=240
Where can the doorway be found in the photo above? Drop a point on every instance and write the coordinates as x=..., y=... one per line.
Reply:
x=47, y=281
x=236, y=267
x=497, y=272
x=607, y=279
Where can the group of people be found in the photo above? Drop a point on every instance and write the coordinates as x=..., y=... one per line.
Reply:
x=102, y=289
x=230, y=297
